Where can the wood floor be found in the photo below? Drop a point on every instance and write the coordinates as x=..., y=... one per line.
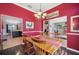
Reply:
x=12, y=42
x=16, y=50
x=13, y=46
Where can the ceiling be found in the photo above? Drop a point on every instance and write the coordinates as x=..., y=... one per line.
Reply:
x=35, y=7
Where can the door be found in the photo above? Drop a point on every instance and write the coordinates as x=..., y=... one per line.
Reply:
x=1, y=46
x=46, y=27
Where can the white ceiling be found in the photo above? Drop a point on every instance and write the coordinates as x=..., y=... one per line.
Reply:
x=35, y=7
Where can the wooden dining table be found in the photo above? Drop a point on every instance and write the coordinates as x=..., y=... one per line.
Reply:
x=44, y=46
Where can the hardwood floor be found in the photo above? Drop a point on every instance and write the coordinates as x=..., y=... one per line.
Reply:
x=11, y=51
x=17, y=51
x=13, y=46
x=11, y=42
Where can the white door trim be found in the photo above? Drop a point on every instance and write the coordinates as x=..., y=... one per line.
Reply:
x=72, y=34
x=11, y=16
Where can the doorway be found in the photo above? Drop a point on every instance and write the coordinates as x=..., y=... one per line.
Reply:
x=11, y=29
x=59, y=26
x=56, y=25
x=10, y=26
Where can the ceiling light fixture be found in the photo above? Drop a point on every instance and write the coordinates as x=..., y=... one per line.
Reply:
x=40, y=14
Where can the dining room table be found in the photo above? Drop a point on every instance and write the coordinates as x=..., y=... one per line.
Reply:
x=45, y=45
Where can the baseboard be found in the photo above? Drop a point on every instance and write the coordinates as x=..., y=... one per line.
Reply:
x=71, y=49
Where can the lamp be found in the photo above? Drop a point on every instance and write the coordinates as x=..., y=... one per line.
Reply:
x=40, y=14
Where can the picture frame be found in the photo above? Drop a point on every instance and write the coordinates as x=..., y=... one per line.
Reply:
x=29, y=25
x=75, y=23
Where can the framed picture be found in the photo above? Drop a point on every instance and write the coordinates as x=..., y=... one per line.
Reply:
x=29, y=25
x=75, y=23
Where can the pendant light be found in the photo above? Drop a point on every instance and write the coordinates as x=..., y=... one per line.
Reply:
x=40, y=14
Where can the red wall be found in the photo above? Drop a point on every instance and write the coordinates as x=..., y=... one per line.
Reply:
x=68, y=9
x=14, y=10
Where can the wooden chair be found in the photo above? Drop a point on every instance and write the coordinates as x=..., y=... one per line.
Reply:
x=28, y=47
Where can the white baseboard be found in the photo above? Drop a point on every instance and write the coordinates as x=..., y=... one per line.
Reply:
x=72, y=49
x=31, y=31
x=72, y=34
